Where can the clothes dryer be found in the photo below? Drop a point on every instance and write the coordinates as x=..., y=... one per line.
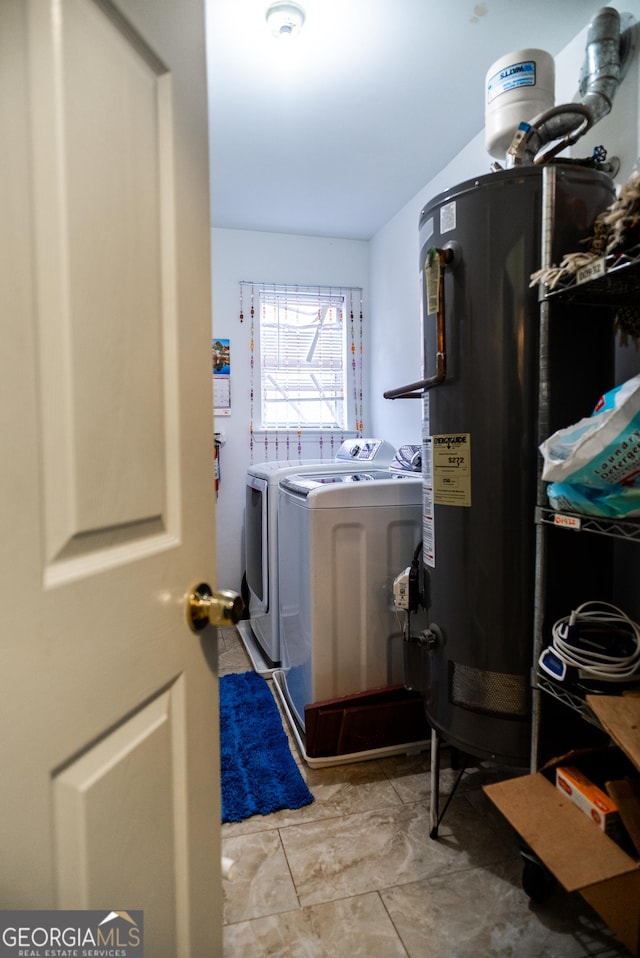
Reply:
x=260, y=632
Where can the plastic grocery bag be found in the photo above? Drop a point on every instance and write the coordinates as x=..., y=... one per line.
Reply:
x=594, y=465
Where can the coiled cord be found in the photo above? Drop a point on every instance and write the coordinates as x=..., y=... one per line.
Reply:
x=597, y=617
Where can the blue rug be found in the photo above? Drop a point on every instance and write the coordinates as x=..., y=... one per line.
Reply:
x=258, y=772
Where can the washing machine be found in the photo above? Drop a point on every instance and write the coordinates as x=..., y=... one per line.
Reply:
x=343, y=538
x=260, y=633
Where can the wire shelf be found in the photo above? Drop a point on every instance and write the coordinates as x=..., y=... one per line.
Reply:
x=577, y=522
x=568, y=698
x=618, y=285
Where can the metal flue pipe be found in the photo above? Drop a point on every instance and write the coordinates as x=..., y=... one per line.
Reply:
x=602, y=72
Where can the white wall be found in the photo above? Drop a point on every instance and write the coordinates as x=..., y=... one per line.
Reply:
x=243, y=255
x=395, y=285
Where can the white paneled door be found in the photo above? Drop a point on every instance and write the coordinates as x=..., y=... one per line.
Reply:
x=109, y=755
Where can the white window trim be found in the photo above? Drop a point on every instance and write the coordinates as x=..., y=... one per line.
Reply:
x=352, y=358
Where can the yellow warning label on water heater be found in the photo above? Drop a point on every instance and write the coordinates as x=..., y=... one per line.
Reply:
x=432, y=281
x=452, y=469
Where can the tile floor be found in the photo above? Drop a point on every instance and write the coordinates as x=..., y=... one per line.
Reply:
x=355, y=874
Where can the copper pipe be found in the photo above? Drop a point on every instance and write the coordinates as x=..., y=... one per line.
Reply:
x=445, y=256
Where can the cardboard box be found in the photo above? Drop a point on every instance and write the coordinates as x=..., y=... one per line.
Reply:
x=580, y=856
x=590, y=799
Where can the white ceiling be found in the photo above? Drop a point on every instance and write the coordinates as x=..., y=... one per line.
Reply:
x=331, y=133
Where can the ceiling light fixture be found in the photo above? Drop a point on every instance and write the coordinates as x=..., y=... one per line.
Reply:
x=285, y=19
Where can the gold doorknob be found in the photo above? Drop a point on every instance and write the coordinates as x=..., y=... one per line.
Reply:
x=205, y=607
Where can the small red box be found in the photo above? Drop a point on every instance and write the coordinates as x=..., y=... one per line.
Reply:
x=588, y=797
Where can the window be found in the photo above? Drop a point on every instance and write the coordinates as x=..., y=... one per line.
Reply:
x=303, y=360
x=307, y=344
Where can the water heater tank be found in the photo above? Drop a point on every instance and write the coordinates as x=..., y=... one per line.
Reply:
x=518, y=86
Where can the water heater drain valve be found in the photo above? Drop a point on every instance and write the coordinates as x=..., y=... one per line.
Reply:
x=431, y=638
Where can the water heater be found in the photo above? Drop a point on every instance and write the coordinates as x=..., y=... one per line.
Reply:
x=480, y=436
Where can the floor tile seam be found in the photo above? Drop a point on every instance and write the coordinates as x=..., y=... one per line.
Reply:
x=256, y=832
x=324, y=902
x=347, y=898
x=395, y=927
x=271, y=914
x=402, y=801
x=253, y=833
x=374, y=810
x=374, y=889
x=307, y=908
x=313, y=821
x=277, y=911
x=289, y=869
x=447, y=872
x=260, y=828
x=376, y=806
x=249, y=833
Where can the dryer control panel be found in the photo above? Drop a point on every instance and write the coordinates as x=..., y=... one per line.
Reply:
x=366, y=450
